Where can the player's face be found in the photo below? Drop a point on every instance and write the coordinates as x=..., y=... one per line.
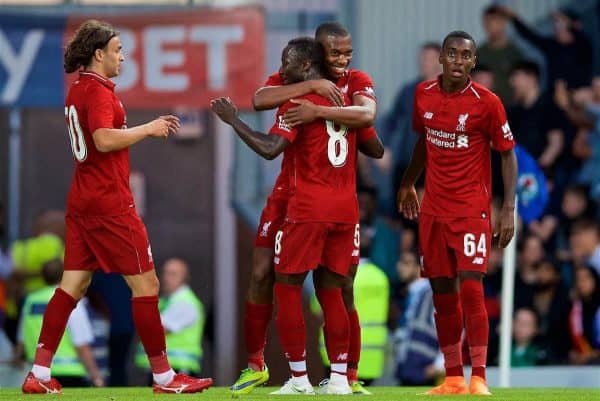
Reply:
x=292, y=67
x=338, y=54
x=112, y=57
x=457, y=59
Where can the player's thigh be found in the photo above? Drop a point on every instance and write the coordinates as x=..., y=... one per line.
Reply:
x=340, y=245
x=271, y=220
x=78, y=254
x=120, y=244
x=437, y=260
x=470, y=240
x=76, y=282
x=298, y=247
x=143, y=285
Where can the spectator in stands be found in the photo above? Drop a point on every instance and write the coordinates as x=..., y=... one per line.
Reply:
x=183, y=317
x=384, y=236
x=585, y=317
x=585, y=243
x=568, y=53
x=534, y=118
x=524, y=351
x=483, y=75
x=419, y=361
x=582, y=106
x=552, y=304
x=531, y=253
x=74, y=360
x=29, y=255
x=399, y=136
x=498, y=52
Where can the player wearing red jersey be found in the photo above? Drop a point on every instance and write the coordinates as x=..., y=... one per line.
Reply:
x=104, y=230
x=459, y=122
x=341, y=82
x=319, y=229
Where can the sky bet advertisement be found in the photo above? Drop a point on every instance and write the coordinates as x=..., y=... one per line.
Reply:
x=175, y=58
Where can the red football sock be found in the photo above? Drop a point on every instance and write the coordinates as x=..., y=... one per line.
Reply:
x=53, y=326
x=336, y=324
x=449, y=325
x=354, y=347
x=146, y=319
x=476, y=324
x=290, y=325
x=256, y=320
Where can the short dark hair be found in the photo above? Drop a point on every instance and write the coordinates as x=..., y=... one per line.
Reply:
x=308, y=49
x=458, y=35
x=493, y=9
x=528, y=67
x=431, y=46
x=585, y=224
x=331, y=28
x=52, y=271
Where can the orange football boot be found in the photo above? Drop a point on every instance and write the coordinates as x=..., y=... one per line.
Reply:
x=451, y=385
x=478, y=386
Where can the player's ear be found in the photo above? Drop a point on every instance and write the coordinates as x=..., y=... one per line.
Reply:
x=98, y=54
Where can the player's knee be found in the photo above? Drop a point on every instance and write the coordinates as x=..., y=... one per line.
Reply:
x=263, y=275
x=348, y=293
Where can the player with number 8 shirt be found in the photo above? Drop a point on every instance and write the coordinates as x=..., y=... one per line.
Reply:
x=459, y=122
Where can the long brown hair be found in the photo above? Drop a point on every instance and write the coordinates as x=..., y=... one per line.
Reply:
x=90, y=36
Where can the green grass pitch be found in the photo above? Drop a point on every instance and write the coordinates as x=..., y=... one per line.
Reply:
x=379, y=394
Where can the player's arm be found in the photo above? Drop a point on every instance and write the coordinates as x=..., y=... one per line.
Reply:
x=86, y=356
x=509, y=180
x=369, y=143
x=111, y=139
x=406, y=199
x=267, y=146
x=270, y=97
x=80, y=327
x=360, y=115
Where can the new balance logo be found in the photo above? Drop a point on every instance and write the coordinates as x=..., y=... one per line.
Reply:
x=40, y=345
x=149, y=253
x=370, y=91
x=283, y=125
x=342, y=357
x=265, y=229
x=276, y=260
x=507, y=133
x=355, y=252
x=428, y=115
x=462, y=141
x=478, y=261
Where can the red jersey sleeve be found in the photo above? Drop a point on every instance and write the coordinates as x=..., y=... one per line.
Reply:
x=280, y=127
x=361, y=84
x=100, y=111
x=498, y=128
x=364, y=134
x=417, y=121
x=274, y=80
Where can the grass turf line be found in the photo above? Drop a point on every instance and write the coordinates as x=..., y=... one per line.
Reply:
x=379, y=394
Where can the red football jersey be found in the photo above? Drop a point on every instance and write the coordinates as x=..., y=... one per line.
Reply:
x=100, y=185
x=322, y=170
x=352, y=82
x=460, y=128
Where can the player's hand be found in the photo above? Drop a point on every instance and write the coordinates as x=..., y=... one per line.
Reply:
x=505, y=226
x=159, y=128
x=305, y=112
x=408, y=202
x=225, y=109
x=174, y=123
x=328, y=89
x=98, y=382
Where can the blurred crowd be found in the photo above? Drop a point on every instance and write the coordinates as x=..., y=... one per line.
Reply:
x=553, y=109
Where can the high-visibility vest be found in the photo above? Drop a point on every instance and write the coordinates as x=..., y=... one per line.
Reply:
x=66, y=361
x=371, y=299
x=184, y=348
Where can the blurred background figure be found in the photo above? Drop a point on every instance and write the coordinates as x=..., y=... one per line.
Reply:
x=183, y=317
x=497, y=54
x=74, y=363
x=418, y=359
x=585, y=243
x=585, y=317
x=525, y=328
x=483, y=75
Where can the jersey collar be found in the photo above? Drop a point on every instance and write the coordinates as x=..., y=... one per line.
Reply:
x=468, y=84
x=93, y=75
